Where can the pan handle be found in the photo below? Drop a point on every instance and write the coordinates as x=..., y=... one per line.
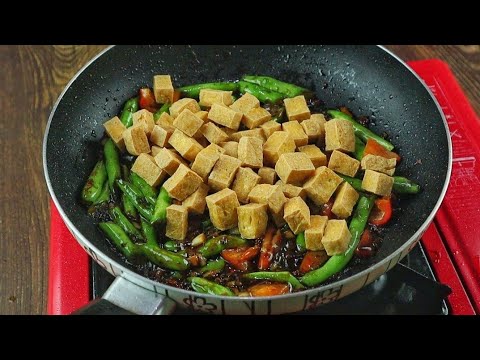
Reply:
x=124, y=297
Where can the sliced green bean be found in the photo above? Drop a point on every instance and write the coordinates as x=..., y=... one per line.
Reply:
x=262, y=94
x=160, y=211
x=193, y=91
x=213, y=265
x=279, y=276
x=205, y=286
x=359, y=148
x=171, y=245
x=104, y=195
x=122, y=221
x=165, y=258
x=128, y=207
x=215, y=245
x=149, y=232
x=120, y=239
x=301, y=242
x=289, y=90
x=112, y=163
x=148, y=191
x=94, y=185
x=164, y=108
x=131, y=106
x=138, y=201
x=403, y=185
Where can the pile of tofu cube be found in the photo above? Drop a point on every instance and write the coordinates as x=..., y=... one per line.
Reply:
x=247, y=177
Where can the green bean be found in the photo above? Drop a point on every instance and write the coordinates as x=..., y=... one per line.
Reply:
x=128, y=207
x=112, y=162
x=262, y=94
x=149, y=232
x=361, y=131
x=171, y=245
x=193, y=91
x=148, y=191
x=402, y=185
x=122, y=221
x=356, y=183
x=94, y=185
x=131, y=106
x=337, y=262
x=120, y=239
x=280, y=276
x=215, y=245
x=289, y=90
x=301, y=242
x=205, y=286
x=164, y=258
x=359, y=148
x=160, y=211
x=138, y=201
x=104, y=195
x=213, y=265
x=164, y=108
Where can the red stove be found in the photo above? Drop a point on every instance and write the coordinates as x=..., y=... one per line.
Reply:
x=448, y=256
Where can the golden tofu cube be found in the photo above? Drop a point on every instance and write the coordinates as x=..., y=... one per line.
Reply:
x=209, y=97
x=271, y=195
x=183, y=183
x=223, y=172
x=177, y=222
x=316, y=156
x=297, y=108
x=345, y=200
x=343, y=164
x=115, y=128
x=280, y=142
x=256, y=133
x=166, y=121
x=256, y=117
x=216, y=148
x=182, y=104
x=270, y=127
x=145, y=167
x=145, y=118
x=314, y=234
x=213, y=133
x=244, y=182
x=202, y=115
x=188, y=122
x=196, y=202
x=225, y=116
x=163, y=89
x=245, y=103
x=136, y=140
x=296, y=131
x=320, y=119
x=231, y=148
x=252, y=220
x=297, y=214
x=312, y=129
x=250, y=152
x=267, y=175
x=291, y=191
x=339, y=135
x=321, y=186
x=229, y=132
x=155, y=150
x=379, y=164
x=169, y=160
x=186, y=146
x=377, y=183
x=159, y=136
x=336, y=237
x=294, y=168
x=222, y=207
x=204, y=162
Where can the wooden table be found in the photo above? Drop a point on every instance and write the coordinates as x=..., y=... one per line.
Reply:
x=31, y=79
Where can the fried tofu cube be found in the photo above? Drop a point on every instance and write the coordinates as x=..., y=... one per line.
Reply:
x=345, y=200
x=314, y=234
x=244, y=182
x=145, y=167
x=166, y=121
x=169, y=161
x=296, y=131
x=321, y=186
x=320, y=119
x=155, y=150
x=343, y=164
x=297, y=108
x=136, y=140
x=145, y=118
x=225, y=116
x=291, y=191
x=186, y=146
x=297, y=214
x=294, y=168
x=163, y=89
x=204, y=162
x=159, y=136
x=231, y=148
x=229, y=132
x=270, y=127
x=115, y=128
x=182, y=104
x=202, y=115
x=267, y=175
x=223, y=172
x=271, y=195
x=177, y=222
x=377, y=183
x=312, y=129
x=316, y=156
x=222, y=207
x=379, y=164
x=339, y=135
x=183, y=183
x=280, y=142
x=256, y=117
x=252, y=220
x=213, y=133
x=245, y=103
x=250, y=152
x=256, y=133
x=336, y=237
x=196, y=202
x=209, y=97
x=216, y=148
x=188, y=122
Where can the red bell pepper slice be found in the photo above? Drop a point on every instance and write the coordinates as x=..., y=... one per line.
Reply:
x=374, y=148
x=239, y=257
x=146, y=100
x=269, y=289
x=270, y=246
x=381, y=212
x=313, y=260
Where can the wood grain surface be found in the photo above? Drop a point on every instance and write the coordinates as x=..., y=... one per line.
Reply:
x=31, y=79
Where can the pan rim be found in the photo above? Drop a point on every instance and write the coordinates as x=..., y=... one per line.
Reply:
x=139, y=279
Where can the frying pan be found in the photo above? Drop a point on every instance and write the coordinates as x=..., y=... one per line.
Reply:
x=368, y=79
